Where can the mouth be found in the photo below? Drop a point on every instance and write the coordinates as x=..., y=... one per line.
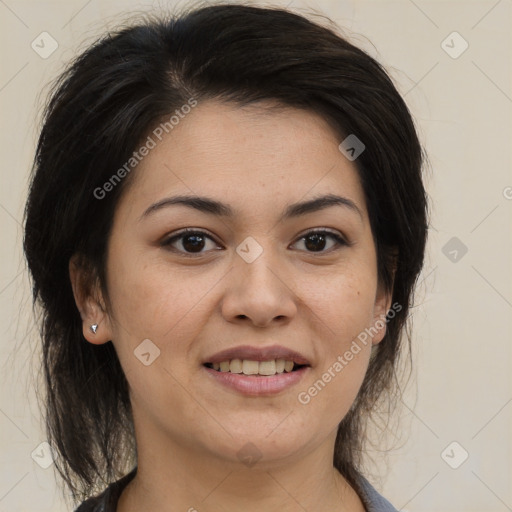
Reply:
x=256, y=378
x=256, y=368
x=257, y=371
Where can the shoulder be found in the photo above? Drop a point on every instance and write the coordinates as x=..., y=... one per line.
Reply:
x=371, y=499
x=107, y=500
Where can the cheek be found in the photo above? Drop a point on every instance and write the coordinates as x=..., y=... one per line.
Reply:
x=148, y=298
x=335, y=382
x=169, y=309
x=343, y=309
x=332, y=389
x=343, y=303
x=151, y=304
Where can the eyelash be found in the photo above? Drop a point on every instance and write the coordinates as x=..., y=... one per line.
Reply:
x=189, y=231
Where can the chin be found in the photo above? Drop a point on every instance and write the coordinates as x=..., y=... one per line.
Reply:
x=257, y=445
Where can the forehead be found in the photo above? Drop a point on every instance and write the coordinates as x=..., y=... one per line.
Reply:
x=252, y=154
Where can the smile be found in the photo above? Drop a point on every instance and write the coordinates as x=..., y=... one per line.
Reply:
x=251, y=367
x=250, y=382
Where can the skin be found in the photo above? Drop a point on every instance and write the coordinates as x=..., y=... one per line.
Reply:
x=316, y=300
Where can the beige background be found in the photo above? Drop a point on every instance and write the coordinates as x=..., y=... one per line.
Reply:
x=461, y=388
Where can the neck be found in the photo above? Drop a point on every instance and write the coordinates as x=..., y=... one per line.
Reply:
x=173, y=476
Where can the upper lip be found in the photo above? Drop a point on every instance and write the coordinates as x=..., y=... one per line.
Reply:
x=258, y=354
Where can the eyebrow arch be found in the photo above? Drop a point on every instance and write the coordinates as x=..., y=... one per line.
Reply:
x=214, y=207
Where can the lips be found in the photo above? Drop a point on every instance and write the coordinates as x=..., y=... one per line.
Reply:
x=257, y=371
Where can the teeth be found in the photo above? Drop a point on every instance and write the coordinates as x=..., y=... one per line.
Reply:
x=267, y=368
x=235, y=366
x=249, y=367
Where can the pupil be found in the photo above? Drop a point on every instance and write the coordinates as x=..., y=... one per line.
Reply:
x=195, y=246
x=195, y=243
x=316, y=237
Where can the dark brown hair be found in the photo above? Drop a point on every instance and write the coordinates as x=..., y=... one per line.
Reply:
x=108, y=100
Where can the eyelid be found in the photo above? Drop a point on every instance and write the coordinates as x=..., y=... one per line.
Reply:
x=168, y=239
x=341, y=240
x=335, y=233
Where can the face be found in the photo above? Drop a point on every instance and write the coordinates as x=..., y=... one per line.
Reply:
x=260, y=274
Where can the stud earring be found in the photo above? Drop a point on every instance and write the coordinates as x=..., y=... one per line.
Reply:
x=94, y=328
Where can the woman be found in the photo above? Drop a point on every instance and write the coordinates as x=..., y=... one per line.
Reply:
x=225, y=225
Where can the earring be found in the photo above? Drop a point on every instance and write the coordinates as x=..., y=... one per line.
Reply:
x=93, y=328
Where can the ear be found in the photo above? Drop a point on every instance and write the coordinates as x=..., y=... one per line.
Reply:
x=383, y=297
x=89, y=301
x=382, y=305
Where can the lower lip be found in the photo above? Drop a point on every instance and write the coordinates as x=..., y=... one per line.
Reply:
x=253, y=385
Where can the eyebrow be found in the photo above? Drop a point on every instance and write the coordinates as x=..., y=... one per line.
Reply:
x=214, y=207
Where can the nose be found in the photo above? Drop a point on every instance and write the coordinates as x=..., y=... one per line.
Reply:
x=260, y=292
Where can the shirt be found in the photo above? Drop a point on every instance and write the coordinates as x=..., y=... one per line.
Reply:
x=107, y=500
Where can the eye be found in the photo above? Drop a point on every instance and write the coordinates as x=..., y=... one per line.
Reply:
x=189, y=241
x=315, y=241
x=193, y=241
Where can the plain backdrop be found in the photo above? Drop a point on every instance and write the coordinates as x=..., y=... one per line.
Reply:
x=449, y=448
